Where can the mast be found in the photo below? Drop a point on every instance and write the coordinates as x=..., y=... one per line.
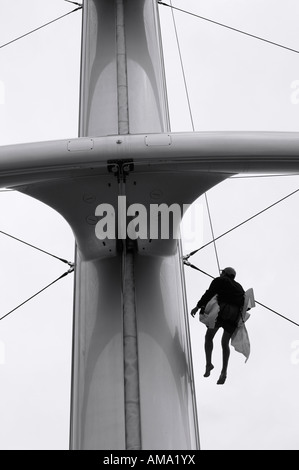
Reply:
x=124, y=389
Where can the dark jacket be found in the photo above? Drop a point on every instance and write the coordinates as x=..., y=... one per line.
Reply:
x=228, y=291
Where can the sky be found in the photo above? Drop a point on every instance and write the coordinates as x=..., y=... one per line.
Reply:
x=234, y=83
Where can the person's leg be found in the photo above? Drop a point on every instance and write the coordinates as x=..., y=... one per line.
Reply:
x=209, y=349
x=225, y=355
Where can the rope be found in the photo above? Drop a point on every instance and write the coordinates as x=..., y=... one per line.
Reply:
x=187, y=263
x=75, y=3
x=36, y=248
x=40, y=27
x=192, y=123
x=242, y=223
x=182, y=67
x=263, y=176
x=262, y=305
x=211, y=225
x=39, y=292
x=231, y=28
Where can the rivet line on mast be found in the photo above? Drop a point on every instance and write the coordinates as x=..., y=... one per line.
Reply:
x=130, y=335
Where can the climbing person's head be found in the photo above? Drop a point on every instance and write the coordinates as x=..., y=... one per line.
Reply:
x=229, y=272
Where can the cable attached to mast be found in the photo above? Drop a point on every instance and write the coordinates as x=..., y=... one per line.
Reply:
x=242, y=223
x=36, y=248
x=74, y=3
x=40, y=27
x=231, y=28
x=182, y=68
x=39, y=292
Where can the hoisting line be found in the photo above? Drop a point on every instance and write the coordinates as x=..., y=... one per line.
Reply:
x=231, y=28
x=182, y=67
x=37, y=293
x=242, y=223
x=192, y=122
x=185, y=258
x=40, y=27
x=36, y=248
x=212, y=230
x=187, y=263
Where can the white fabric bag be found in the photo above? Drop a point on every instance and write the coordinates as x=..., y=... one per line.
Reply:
x=210, y=314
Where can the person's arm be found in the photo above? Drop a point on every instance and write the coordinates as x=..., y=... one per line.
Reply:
x=195, y=309
x=208, y=295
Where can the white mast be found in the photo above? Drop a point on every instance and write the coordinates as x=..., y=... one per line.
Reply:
x=132, y=378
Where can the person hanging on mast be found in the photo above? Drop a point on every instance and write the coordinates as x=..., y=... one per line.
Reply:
x=228, y=296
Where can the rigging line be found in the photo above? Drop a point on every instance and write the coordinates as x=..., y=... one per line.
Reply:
x=231, y=28
x=40, y=27
x=182, y=67
x=242, y=223
x=36, y=248
x=264, y=176
x=212, y=230
x=39, y=292
x=262, y=305
x=187, y=263
x=75, y=3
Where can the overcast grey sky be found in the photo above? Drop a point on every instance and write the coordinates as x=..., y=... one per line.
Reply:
x=234, y=83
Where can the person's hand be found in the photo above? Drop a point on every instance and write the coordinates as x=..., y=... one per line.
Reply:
x=193, y=311
x=202, y=311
